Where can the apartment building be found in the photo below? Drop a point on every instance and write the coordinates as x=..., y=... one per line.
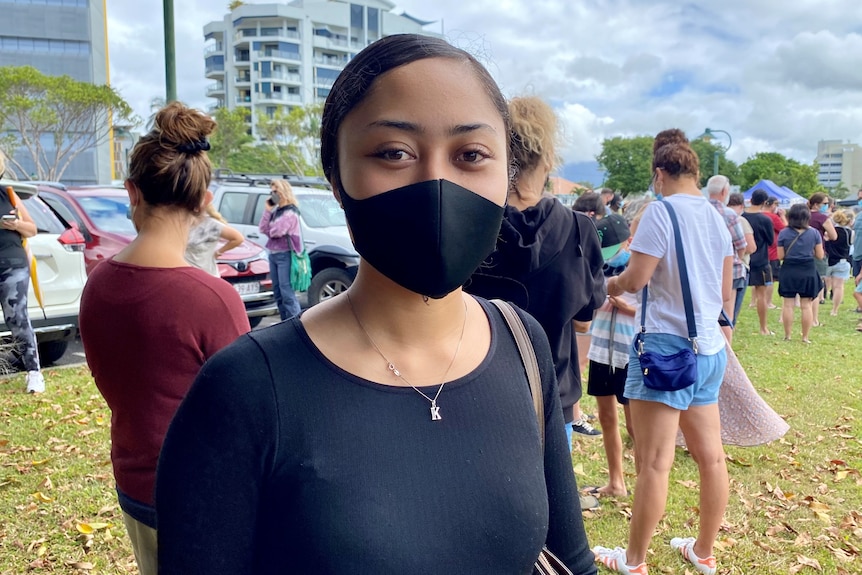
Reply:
x=270, y=56
x=840, y=163
x=60, y=37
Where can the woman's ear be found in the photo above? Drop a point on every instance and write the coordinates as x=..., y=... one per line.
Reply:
x=133, y=191
x=208, y=199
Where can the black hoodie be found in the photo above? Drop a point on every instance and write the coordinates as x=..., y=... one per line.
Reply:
x=548, y=261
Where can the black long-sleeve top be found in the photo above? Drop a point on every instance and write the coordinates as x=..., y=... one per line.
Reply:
x=278, y=461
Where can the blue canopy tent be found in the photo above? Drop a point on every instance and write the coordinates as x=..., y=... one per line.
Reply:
x=786, y=196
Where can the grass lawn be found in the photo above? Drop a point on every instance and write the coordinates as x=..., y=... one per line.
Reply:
x=795, y=505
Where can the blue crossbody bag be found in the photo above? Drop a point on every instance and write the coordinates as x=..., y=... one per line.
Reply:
x=677, y=370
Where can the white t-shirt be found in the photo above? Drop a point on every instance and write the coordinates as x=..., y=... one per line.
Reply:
x=203, y=243
x=706, y=242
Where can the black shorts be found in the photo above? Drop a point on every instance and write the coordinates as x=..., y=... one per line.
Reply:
x=760, y=276
x=604, y=381
x=776, y=268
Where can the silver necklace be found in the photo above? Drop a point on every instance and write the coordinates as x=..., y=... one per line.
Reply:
x=435, y=409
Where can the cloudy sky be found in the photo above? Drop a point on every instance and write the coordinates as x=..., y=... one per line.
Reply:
x=777, y=75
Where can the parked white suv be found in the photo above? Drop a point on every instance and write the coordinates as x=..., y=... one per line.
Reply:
x=59, y=251
x=241, y=199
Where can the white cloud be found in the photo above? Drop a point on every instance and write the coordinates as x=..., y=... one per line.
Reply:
x=777, y=75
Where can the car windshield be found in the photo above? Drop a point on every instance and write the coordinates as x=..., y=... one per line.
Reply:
x=320, y=210
x=109, y=213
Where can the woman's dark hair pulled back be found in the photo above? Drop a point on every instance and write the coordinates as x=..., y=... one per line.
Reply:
x=169, y=165
x=673, y=155
x=356, y=81
x=817, y=198
x=798, y=216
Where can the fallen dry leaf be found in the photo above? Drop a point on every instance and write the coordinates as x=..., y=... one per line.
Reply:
x=87, y=528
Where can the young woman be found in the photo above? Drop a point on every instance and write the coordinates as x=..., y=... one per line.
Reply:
x=15, y=280
x=149, y=320
x=657, y=414
x=365, y=436
x=799, y=248
x=838, y=258
x=280, y=223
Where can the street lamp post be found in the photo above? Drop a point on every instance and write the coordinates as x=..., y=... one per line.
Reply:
x=170, y=54
x=709, y=135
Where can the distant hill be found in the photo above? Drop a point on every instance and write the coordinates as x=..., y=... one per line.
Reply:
x=583, y=172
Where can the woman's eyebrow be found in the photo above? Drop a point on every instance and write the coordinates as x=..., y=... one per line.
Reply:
x=417, y=129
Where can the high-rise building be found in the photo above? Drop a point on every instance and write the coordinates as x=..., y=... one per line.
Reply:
x=840, y=163
x=60, y=37
x=267, y=57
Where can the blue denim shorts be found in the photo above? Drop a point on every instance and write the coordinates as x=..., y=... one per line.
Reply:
x=841, y=270
x=710, y=373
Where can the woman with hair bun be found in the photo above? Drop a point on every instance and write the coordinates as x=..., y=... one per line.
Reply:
x=148, y=319
x=656, y=414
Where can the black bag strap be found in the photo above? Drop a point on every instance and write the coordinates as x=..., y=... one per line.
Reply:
x=683, y=277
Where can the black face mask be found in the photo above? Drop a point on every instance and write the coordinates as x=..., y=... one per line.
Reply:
x=428, y=237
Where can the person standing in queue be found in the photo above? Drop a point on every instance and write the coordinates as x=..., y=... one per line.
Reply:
x=657, y=413
x=15, y=225
x=149, y=320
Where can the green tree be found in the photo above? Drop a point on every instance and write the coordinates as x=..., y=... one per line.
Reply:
x=54, y=119
x=784, y=171
x=706, y=155
x=627, y=163
x=230, y=135
x=294, y=138
x=259, y=159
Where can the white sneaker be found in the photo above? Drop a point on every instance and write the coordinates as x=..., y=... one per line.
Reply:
x=35, y=382
x=615, y=560
x=685, y=545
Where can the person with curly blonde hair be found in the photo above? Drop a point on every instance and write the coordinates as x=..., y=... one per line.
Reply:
x=548, y=258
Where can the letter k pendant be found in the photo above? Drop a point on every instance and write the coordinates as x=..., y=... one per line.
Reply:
x=435, y=411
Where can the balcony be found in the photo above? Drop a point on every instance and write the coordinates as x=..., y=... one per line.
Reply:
x=242, y=79
x=217, y=48
x=280, y=97
x=243, y=99
x=279, y=34
x=213, y=70
x=324, y=82
x=283, y=77
x=216, y=88
x=279, y=55
x=242, y=59
x=340, y=44
x=330, y=61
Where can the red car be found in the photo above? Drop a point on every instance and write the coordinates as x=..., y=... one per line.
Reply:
x=101, y=214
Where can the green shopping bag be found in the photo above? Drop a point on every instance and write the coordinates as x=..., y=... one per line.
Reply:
x=300, y=271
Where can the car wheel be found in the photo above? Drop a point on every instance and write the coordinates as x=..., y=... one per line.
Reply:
x=51, y=351
x=328, y=283
x=255, y=321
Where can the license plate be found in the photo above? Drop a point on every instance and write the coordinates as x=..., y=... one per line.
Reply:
x=247, y=288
